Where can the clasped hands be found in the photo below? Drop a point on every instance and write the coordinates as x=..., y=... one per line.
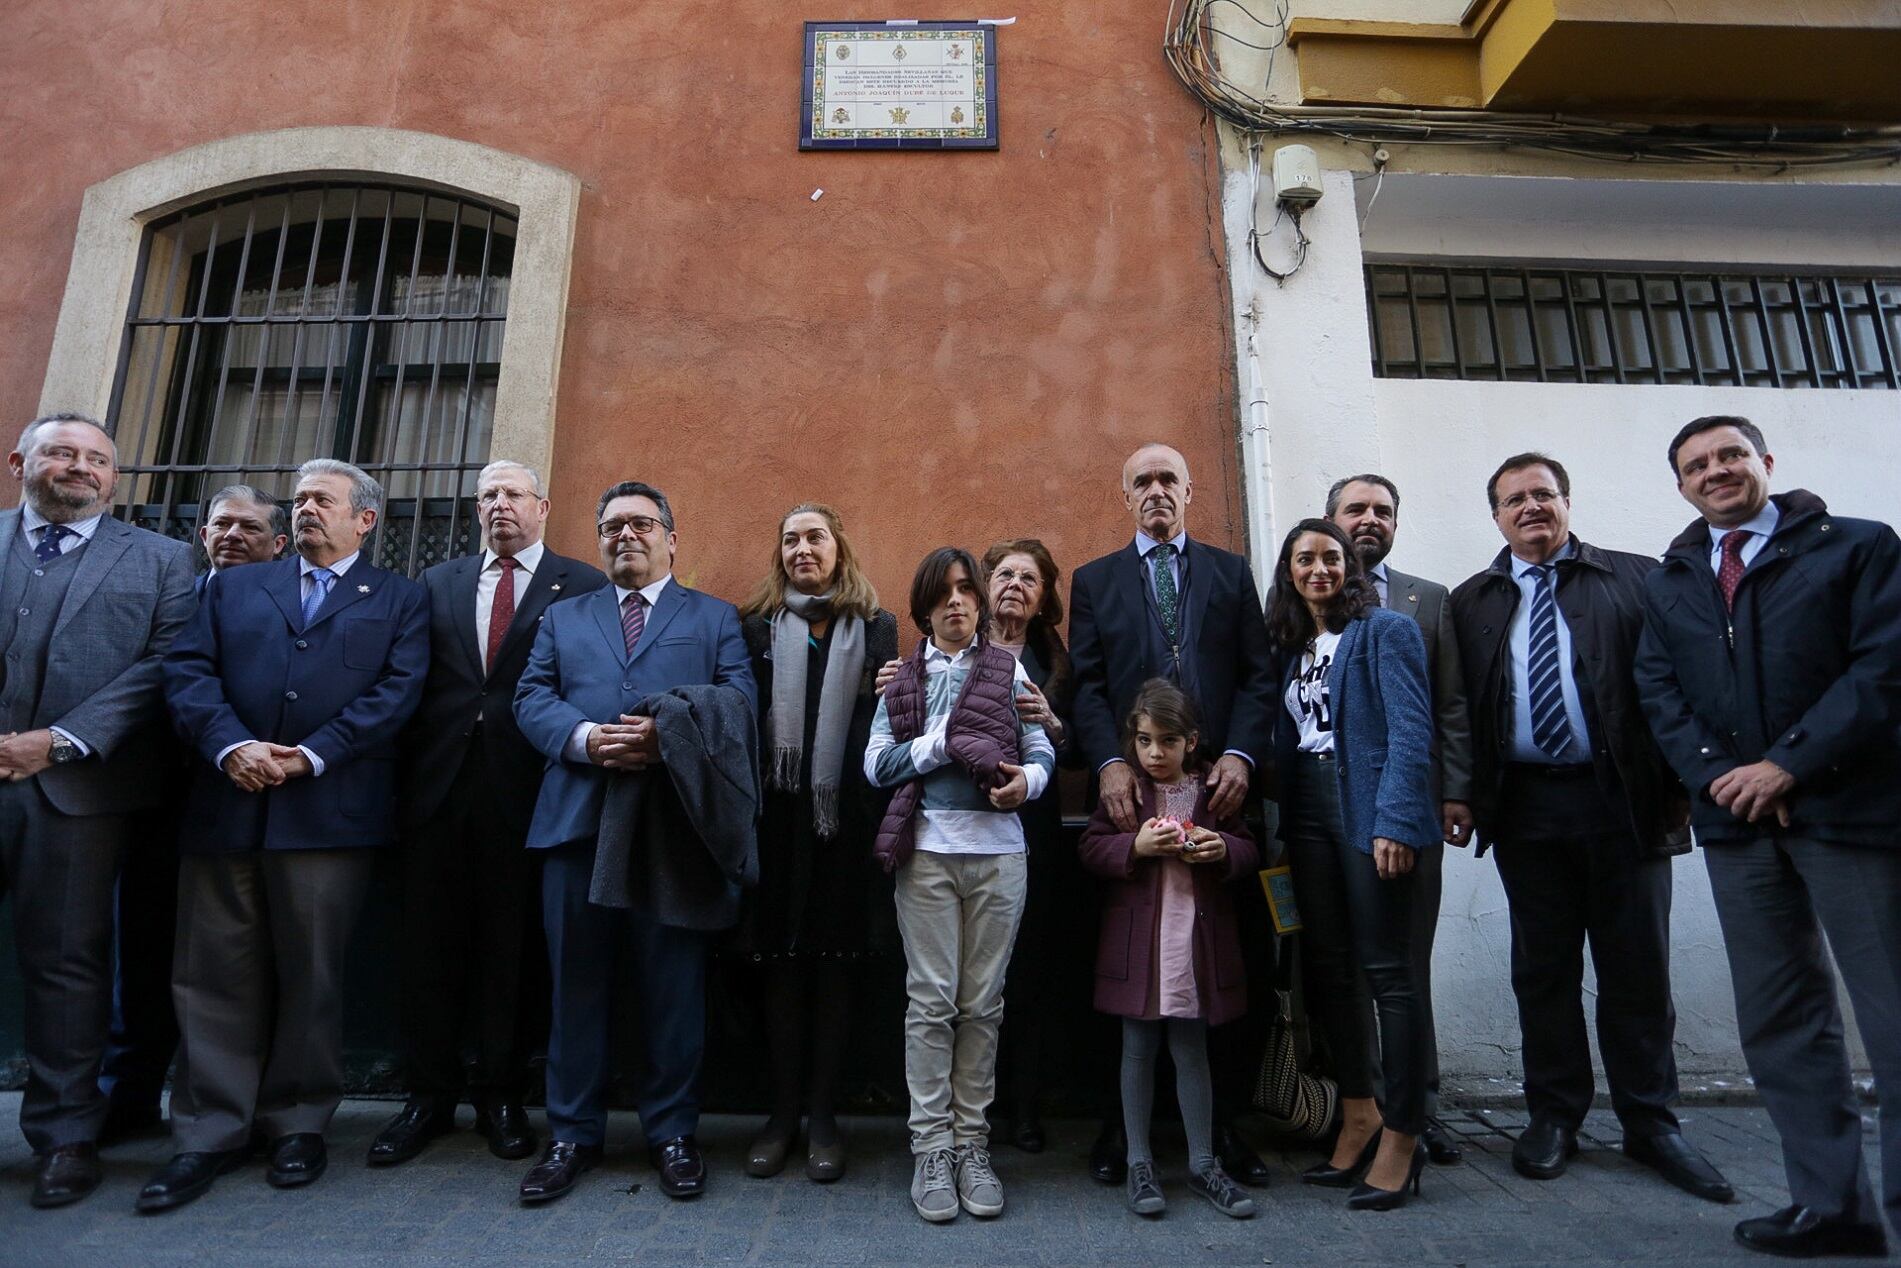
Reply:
x=1170, y=838
x=258, y=765
x=629, y=744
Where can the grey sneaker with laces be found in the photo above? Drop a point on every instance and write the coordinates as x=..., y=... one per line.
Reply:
x=1145, y=1195
x=1227, y=1196
x=977, y=1185
x=933, y=1190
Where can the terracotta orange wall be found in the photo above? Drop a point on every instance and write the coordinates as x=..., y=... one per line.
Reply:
x=947, y=347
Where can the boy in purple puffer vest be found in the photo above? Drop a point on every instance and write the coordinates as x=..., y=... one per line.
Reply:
x=948, y=738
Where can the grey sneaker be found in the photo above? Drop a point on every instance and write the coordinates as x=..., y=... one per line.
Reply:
x=977, y=1185
x=933, y=1192
x=1227, y=1197
x=1145, y=1196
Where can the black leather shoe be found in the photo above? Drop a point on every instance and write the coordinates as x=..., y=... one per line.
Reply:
x=504, y=1124
x=406, y=1135
x=682, y=1170
x=562, y=1163
x=1673, y=1158
x=67, y=1174
x=1800, y=1233
x=1027, y=1134
x=1240, y=1162
x=296, y=1160
x=128, y=1119
x=185, y=1177
x=1441, y=1146
x=1109, y=1156
x=1543, y=1148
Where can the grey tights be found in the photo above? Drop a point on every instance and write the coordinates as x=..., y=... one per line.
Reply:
x=1188, y=1044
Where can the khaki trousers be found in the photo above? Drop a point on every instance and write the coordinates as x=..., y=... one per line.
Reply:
x=958, y=914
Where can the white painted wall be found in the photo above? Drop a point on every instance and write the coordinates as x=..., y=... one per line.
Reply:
x=1321, y=414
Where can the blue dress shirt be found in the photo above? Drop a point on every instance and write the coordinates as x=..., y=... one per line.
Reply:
x=1523, y=749
x=1760, y=526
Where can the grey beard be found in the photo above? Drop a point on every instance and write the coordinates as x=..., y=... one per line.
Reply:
x=62, y=506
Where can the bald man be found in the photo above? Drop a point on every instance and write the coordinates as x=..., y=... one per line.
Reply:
x=1168, y=606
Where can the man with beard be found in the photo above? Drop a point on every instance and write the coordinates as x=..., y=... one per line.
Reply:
x=1771, y=671
x=1367, y=507
x=1585, y=815
x=600, y=668
x=1168, y=606
x=291, y=686
x=88, y=606
x=243, y=525
x=472, y=959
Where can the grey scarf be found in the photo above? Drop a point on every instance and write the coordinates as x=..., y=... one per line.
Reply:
x=785, y=724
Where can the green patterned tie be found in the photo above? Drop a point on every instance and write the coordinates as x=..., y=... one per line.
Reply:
x=1166, y=597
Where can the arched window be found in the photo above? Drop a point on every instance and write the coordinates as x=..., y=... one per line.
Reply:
x=349, y=319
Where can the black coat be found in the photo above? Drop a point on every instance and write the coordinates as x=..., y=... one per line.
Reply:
x=458, y=689
x=1601, y=595
x=1805, y=672
x=1224, y=665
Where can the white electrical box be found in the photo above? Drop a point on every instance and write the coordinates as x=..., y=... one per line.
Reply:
x=1296, y=175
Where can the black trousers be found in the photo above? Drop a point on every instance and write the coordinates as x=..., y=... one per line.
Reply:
x=1777, y=896
x=1358, y=938
x=474, y=964
x=59, y=870
x=144, y=1031
x=1573, y=875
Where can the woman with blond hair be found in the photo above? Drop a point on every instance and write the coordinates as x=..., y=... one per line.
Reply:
x=817, y=636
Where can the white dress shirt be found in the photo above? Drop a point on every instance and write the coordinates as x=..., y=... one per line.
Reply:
x=1760, y=527
x=526, y=561
x=575, y=750
x=304, y=569
x=1523, y=747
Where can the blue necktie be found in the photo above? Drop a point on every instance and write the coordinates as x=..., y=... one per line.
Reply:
x=320, y=581
x=1550, y=725
x=50, y=537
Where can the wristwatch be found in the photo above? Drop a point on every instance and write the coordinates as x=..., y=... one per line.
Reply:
x=62, y=750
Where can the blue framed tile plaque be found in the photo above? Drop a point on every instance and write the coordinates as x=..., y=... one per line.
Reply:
x=899, y=86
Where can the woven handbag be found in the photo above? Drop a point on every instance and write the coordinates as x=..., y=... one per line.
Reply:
x=1296, y=1104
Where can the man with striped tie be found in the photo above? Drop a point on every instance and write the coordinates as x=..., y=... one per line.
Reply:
x=1585, y=814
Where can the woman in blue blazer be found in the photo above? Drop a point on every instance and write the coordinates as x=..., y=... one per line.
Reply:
x=1353, y=743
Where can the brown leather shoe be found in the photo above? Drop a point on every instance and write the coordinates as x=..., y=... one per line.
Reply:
x=67, y=1174
x=682, y=1170
x=562, y=1163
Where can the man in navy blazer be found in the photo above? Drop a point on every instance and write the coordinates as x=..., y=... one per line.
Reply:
x=291, y=687
x=594, y=661
x=1167, y=606
x=471, y=942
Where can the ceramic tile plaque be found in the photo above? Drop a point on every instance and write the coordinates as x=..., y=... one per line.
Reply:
x=899, y=86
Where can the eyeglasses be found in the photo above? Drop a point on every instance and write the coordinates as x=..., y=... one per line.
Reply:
x=1540, y=496
x=641, y=524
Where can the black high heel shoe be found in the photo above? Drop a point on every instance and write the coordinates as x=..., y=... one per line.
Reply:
x=1367, y=1198
x=1328, y=1176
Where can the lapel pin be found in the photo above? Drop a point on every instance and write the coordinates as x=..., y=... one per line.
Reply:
x=362, y=589
x=555, y=586
x=1412, y=598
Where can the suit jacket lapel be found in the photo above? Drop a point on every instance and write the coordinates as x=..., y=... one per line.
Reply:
x=606, y=603
x=672, y=599
x=1336, y=678
x=109, y=541
x=532, y=601
x=352, y=587
x=9, y=528
x=1198, y=576
x=287, y=590
x=462, y=583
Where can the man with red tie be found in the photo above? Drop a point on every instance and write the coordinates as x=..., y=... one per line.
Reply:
x=473, y=966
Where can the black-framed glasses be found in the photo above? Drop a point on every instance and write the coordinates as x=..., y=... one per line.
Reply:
x=641, y=524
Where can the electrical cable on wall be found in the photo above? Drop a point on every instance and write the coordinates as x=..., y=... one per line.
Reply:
x=1188, y=40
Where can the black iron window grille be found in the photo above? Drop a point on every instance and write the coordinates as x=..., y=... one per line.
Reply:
x=1540, y=323
x=353, y=320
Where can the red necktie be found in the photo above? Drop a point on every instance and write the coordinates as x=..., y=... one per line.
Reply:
x=502, y=611
x=633, y=619
x=1730, y=574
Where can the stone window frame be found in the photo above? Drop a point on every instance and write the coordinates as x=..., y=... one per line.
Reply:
x=545, y=200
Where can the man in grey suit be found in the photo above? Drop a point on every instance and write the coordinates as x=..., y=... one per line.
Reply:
x=1367, y=507
x=88, y=605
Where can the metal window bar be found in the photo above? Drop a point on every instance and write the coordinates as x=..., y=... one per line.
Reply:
x=205, y=417
x=1831, y=337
